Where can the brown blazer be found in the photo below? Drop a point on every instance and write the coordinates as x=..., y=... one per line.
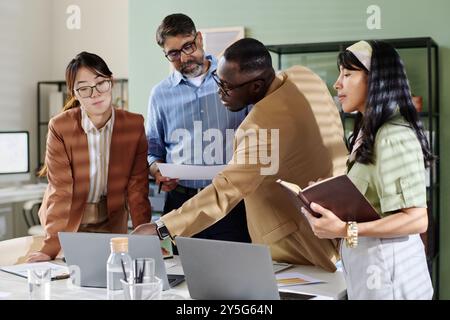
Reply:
x=67, y=159
x=311, y=146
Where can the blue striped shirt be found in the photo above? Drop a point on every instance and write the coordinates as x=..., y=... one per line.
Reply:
x=188, y=124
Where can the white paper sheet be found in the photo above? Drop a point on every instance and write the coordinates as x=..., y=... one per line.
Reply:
x=169, y=264
x=295, y=279
x=189, y=172
x=58, y=271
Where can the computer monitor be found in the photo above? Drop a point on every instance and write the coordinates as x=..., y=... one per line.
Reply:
x=14, y=156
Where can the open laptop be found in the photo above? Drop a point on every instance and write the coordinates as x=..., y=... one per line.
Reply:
x=227, y=270
x=90, y=251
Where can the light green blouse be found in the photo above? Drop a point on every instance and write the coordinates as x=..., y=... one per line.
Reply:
x=397, y=178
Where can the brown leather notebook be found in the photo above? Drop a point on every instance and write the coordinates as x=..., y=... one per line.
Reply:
x=337, y=194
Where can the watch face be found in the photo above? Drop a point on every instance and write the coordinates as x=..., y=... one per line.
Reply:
x=163, y=232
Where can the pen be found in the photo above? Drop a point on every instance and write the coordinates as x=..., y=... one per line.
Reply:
x=124, y=273
x=159, y=189
x=61, y=277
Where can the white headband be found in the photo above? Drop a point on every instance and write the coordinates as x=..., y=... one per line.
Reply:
x=363, y=51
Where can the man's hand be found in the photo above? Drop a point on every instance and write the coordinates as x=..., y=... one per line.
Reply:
x=146, y=228
x=38, y=256
x=167, y=183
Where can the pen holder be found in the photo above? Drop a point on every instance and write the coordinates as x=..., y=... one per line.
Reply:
x=143, y=270
x=142, y=291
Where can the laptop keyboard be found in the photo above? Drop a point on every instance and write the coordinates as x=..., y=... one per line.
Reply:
x=175, y=279
x=279, y=266
x=295, y=296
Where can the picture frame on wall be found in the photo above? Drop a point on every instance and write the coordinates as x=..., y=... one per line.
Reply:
x=216, y=40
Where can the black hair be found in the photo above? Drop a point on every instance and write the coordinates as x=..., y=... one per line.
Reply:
x=174, y=25
x=388, y=89
x=87, y=60
x=250, y=55
x=349, y=61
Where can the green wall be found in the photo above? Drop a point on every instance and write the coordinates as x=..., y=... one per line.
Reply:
x=301, y=21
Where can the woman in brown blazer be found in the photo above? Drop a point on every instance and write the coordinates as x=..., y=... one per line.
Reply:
x=96, y=161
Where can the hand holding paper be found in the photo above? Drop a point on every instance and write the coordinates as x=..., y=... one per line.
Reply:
x=165, y=183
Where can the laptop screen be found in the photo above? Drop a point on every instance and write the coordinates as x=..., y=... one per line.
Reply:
x=227, y=270
x=90, y=251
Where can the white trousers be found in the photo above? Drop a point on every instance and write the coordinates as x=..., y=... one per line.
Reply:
x=387, y=269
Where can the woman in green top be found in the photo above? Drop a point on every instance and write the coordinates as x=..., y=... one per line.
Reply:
x=382, y=259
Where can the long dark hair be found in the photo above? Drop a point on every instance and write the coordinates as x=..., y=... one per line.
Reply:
x=388, y=89
x=87, y=60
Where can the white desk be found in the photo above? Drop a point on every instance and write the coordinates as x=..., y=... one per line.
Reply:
x=14, y=287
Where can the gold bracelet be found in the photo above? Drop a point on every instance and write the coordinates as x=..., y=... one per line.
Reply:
x=352, y=234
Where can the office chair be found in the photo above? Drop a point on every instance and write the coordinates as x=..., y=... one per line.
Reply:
x=30, y=210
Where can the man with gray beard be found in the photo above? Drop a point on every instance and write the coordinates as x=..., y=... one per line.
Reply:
x=185, y=101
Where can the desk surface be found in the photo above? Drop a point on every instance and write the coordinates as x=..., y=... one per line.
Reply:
x=15, y=287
